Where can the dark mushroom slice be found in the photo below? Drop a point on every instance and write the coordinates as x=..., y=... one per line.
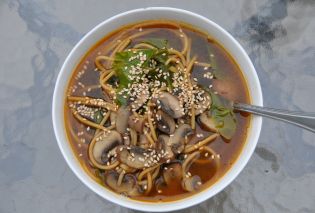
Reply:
x=103, y=146
x=140, y=100
x=134, y=157
x=165, y=123
x=172, y=173
x=203, y=102
x=137, y=123
x=191, y=184
x=122, y=117
x=165, y=149
x=206, y=122
x=170, y=105
x=177, y=140
x=128, y=185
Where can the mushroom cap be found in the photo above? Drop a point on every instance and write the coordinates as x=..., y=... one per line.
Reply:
x=206, y=122
x=172, y=173
x=122, y=117
x=128, y=185
x=165, y=123
x=126, y=139
x=137, y=123
x=140, y=100
x=144, y=142
x=163, y=145
x=191, y=183
x=113, y=116
x=133, y=157
x=170, y=105
x=105, y=144
x=177, y=140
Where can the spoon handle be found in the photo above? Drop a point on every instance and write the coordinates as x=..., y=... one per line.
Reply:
x=301, y=119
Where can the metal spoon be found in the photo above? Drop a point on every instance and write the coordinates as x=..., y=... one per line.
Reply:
x=301, y=119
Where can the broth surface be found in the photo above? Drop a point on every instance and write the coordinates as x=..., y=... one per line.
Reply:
x=85, y=82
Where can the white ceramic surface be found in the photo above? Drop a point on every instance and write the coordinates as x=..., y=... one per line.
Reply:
x=97, y=33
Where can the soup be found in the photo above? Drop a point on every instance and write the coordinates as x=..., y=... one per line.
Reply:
x=147, y=111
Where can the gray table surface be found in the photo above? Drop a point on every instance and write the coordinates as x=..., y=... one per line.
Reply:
x=35, y=38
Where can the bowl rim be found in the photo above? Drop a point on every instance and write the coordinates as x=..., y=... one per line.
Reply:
x=73, y=163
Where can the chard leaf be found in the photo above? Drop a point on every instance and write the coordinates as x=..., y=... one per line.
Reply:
x=223, y=116
x=126, y=61
x=123, y=64
x=98, y=116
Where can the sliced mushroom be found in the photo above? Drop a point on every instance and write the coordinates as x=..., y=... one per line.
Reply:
x=191, y=183
x=203, y=102
x=177, y=140
x=165, y=123
x=105, y=145
x=170, y=105
x=144, y=142
x=126, y=139
x=113, y=116
x=166, y=150
x=133, y=157
x=128, y=185
x=141, y=99
x=122, y=117
x=172, y=173
x=137, y=123
x=206, y=122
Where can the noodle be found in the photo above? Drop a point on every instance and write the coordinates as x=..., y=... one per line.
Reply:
x=145, y=171
x=120, y=178
x=188, y=50
x=179, y=54
x=149, y=138
x=192, y=148
x=105, y=79
x=191, y=64
x=92, y=102
x=202, y=64
x=87, y=122
x=212, y=153
x=149, y=185
x=105, y=118
x=193, y=119
x=172, y=69
x=144, y=45
x=156, y=173
x=98, y=63
x=189, y=160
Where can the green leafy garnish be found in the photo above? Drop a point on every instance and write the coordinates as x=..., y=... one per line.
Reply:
x=223, y=116
x=126, y=62
x=123, y=65
x=98, y=116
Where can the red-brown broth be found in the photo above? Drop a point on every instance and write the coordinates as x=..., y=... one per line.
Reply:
x=228, y=150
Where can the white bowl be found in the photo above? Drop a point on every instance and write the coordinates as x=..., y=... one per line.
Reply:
x=101, y=30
